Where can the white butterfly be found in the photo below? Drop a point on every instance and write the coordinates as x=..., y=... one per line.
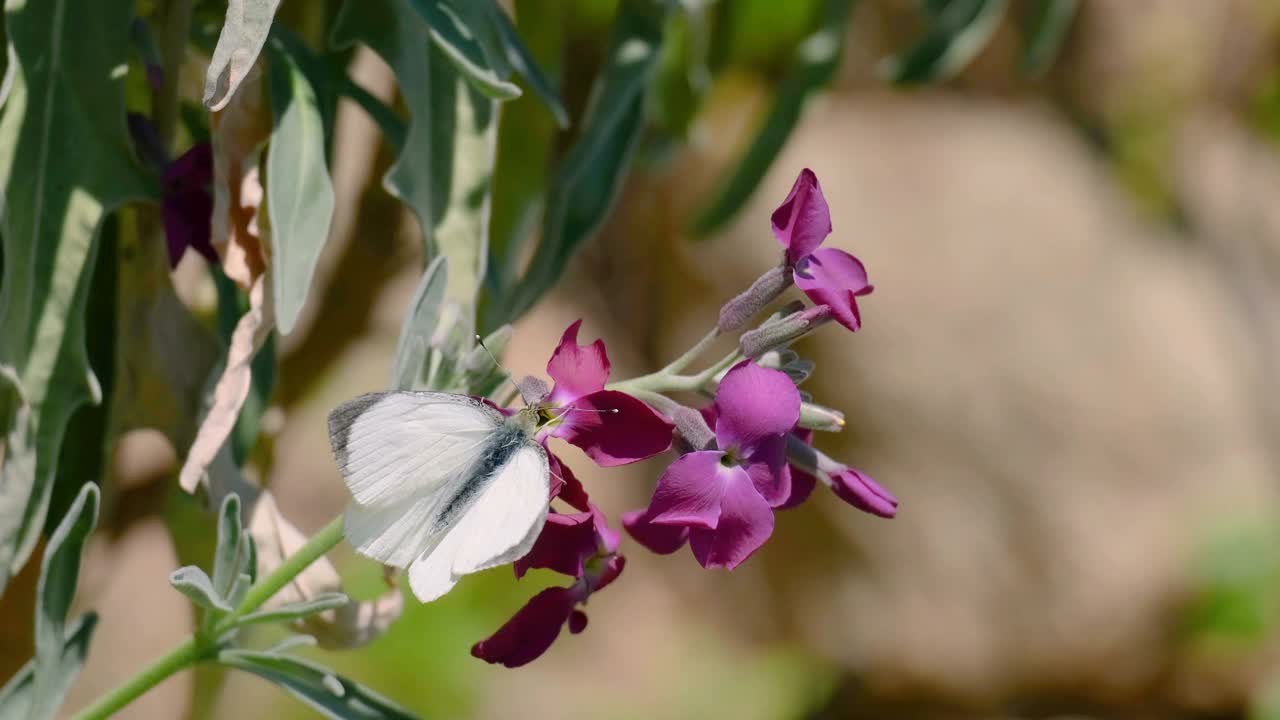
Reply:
x=442, y=484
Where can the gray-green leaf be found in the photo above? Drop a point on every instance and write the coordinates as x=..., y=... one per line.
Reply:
x=462, y=32
x=444, y=170
x=196, y=585
x=18, y=699
x=241, y=40
x=296, y=610
x=419, y=324
x=59, y=652
x=330, y=694
x=234, y=547
x=299, y=191
x=65, y=162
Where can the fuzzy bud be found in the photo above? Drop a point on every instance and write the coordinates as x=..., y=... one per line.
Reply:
x=532, y=389
x=739, y=311
x=778, y=334
x=692, y=427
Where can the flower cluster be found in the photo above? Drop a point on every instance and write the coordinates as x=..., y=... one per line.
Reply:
x=744, y=457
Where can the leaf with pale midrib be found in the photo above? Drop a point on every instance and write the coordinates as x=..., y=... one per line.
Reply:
x=65, y=161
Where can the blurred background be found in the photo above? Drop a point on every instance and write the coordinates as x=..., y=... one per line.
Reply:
x=1067, y=374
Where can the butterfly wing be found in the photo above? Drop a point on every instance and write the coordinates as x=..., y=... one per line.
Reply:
x=499, y=527
x=403, y=456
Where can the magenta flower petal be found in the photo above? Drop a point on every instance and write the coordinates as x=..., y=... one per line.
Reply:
x=745, y=524
x=660, y=539
x=690, y=491
x=834, y=278
x=802, y=485
x=768, y=470
x=564, y=545
x=613, y=567
x=187, y=204
x=531, y=630
x=754, y=404
x=803, y=220
x=577, y=369
x=577, y=621
x=565, y=485
x=633, y=433
x=860, y=491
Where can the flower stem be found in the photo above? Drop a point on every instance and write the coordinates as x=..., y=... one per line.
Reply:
x=191, y=651
x=692, y=354
x=202, y=646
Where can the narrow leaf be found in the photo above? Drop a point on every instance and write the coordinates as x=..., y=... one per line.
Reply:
x=65, y=162
x=241, y=40
x=59, y=575
x=521, y=59
x=18, y=699
x=300, y=197
x=450, y=31
x=960, y=31
x=445, y=168
x=296, y=610
x=196, y=585
x=588, y=179
x=332, y=695
x=231, y=554
x=1049, y=26
x=419, y=324
x=816, y=62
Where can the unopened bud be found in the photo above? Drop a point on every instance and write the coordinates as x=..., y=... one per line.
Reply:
x=532, y=389
x=739, y=311
x=778, y=334
x=820, y=417
x=692, y=427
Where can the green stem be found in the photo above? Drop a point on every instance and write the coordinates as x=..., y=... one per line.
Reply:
x=188, y=653
x=201, y=646
x=693, y=353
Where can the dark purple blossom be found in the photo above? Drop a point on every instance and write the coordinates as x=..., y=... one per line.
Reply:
x=582, y=546
x=722, y=500
x=829, y=276
x=187, y=204
x=612, y=427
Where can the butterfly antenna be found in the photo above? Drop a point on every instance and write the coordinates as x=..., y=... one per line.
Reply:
x=514, y=384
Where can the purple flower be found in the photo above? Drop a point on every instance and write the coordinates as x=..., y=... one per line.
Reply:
x=829, y=276
x=187, y=204
x=612, y=427
x=860, y=491
x=722, y=500
x=564, y=484
x=582, y=546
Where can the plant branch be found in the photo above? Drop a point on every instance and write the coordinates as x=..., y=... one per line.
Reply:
x=202, y=646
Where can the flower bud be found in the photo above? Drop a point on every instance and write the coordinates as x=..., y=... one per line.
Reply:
x=819, y=417
x=778, y=334
x=739, y=311
x=533, y=390
x=692, y=427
